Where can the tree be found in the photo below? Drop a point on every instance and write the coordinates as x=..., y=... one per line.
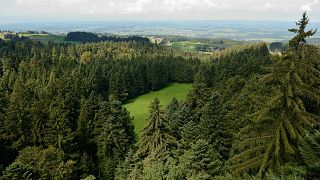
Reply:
x=276, y=46
x=115, y=136
x=310, y=150
x=42, y=163
x=215, y=126
x=199, y=94
x=172, y=114
x=156, y=140
x=85, y=132
x=300, y=39
x=125, y=169
x=86, y=125
x=17, y=124
x=201, y=161
x=86, y=57
x=289, y=111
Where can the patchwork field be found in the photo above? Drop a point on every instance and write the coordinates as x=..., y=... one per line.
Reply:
x=138, y=107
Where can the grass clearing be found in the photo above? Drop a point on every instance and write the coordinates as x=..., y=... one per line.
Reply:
x=139, y=107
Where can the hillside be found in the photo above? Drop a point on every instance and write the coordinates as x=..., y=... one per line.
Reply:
x=248, y=115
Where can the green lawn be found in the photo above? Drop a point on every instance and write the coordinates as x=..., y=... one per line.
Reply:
x=138, y=107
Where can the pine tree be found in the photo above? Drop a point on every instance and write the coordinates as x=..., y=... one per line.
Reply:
x=85, y=132
x=201, y=161
x=309, y=148
x=299, y=40
x=215, y=126
x=85, y=128
x=17, y=124
x=41, y=164
x=126, y=169
x=174, y=123
x=199, y=94
x=114, y=136
x=155, y=140
x=271, y=138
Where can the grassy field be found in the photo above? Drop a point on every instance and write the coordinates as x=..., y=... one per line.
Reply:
x=138, y=107
x=185, y=45
x=205, y=45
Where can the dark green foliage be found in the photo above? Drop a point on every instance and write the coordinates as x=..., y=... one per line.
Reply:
x=215, y=126
x=172, y=114
x=276, y=46
x=200, y=162
x=114, y=136
x=37, y=163
x=18, y=171
x=125, y=169
x=250, y=113
x=300, y=39
x=289, y=89
x=156, y=140
x=199, y=94
x=310, y=151
x=50, y=95
x=91, y=37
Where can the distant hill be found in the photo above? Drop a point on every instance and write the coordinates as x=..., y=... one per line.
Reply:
x=91, y=37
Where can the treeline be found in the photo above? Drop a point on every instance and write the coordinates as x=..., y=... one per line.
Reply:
x=194, y=138
x=250, y=114
x=61, y=104
x=91, y=37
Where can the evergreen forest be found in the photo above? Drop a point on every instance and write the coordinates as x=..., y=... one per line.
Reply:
x=251, y=114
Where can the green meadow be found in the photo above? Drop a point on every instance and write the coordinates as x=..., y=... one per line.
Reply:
x=138, y=107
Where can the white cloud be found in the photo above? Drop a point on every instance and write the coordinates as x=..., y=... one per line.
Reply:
x=159, y=9
x=309, y=7
x=265, y=7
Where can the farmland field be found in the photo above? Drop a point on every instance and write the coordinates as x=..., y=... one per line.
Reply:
x=138, y=107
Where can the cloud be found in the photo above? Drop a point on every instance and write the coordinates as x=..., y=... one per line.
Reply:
x=265, y=7
x=309, y=7
x=157, y=9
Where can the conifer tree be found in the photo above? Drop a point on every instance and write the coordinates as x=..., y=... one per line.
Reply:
x=17, y=124
x=215, y=126
x=115, y=137
x=42, y=163
x=271, y=138
x=300, y=39
x=155, y=140
x=199, y=94
x=172, y=114
x=201, y=161
x=309, y=148
x=85, y=129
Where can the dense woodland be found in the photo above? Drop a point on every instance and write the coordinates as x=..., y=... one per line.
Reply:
x=250, y=114
x=91, y=37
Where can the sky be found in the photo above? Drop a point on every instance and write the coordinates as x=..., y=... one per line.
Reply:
x=24, y=11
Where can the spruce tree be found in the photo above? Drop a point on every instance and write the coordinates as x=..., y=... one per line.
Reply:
x=300, y=39
x=271, y=137
x=156, y=140
x=114, y=136
x=309, y=148
x=174, y=122
x=201, y=161
x=215, y=126
x=199, y=94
